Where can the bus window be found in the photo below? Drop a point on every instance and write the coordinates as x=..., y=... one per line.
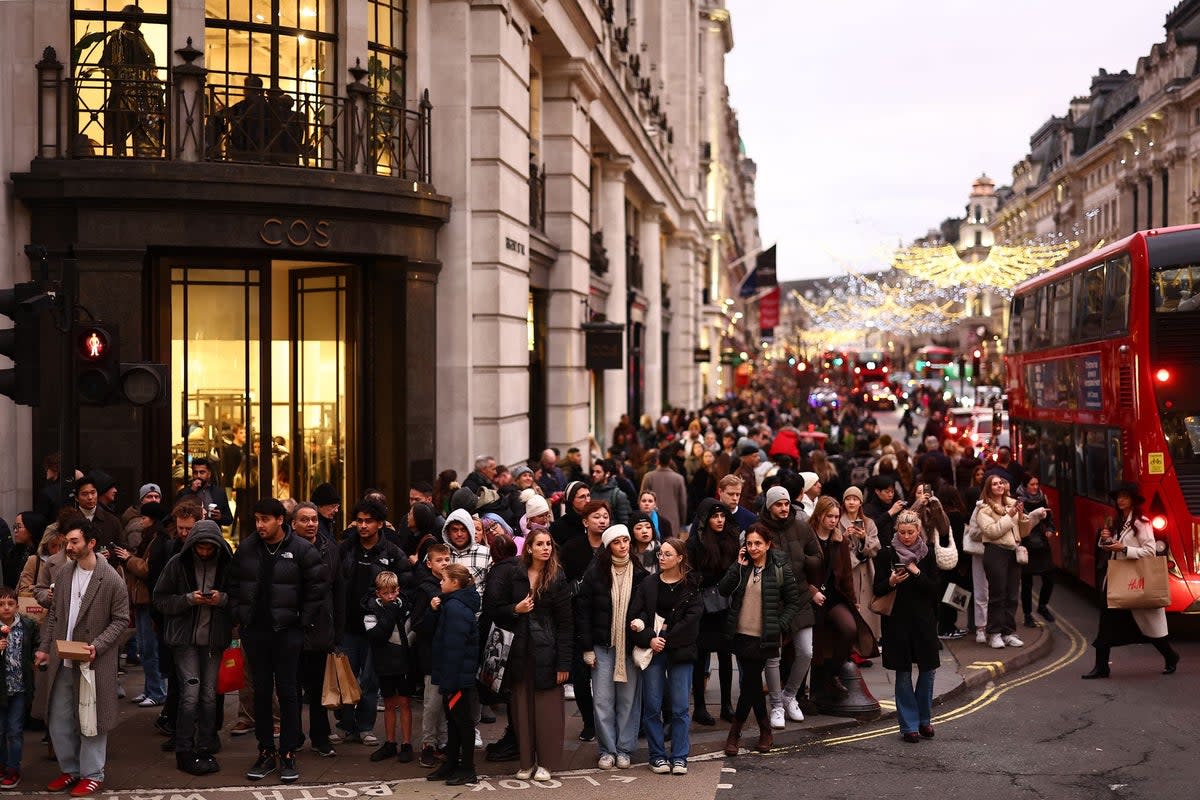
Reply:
x=1014, y=324
x=1049, y=456
x=1116, y=294
x=1089, y=296
x=1094, y=470
x=1037, y=333
x=1060, y=313
x=1027, y=448
x=1177, y=289
x=1117, y=460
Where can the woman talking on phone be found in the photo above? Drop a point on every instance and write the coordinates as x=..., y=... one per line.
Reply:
x=532, y=599
x=1128, y=535
x=763, y=600
x=908, y=568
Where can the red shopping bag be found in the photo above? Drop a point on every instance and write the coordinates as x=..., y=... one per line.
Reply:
x=231, y=676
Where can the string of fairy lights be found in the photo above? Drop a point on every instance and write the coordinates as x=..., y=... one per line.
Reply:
x=926, y=293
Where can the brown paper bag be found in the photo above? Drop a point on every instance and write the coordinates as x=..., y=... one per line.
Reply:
x=347, y=683
x=331, y=696
x=1138, y=583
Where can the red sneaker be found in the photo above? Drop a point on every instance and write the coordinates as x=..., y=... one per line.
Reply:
x=85, y=787
x=64, y=781
x=12, y=779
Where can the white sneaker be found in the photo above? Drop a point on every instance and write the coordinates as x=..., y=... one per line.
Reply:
x=996, y=641
x=777, y=718
x=478, y=738
x=679, y=768
x=369, y=738
x=980, y=636
x=1012, y=641
x=606, y=762
x=526, y=774
x=541, y=774
x=623, y=761
x=792, y=708
x=568, y=691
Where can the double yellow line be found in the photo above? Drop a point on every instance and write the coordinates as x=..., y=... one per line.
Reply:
x=993, y=692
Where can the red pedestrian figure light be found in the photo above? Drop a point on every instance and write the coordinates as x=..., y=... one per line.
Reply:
x=94, y=345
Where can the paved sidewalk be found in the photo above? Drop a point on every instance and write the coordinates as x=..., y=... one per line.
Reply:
x=136, y=760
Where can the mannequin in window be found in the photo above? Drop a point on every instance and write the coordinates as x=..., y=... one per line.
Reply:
x=135, y=99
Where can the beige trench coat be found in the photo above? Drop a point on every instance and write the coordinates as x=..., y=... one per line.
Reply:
x=103, y=619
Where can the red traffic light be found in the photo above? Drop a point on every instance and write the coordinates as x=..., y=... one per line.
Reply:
x=92, y=344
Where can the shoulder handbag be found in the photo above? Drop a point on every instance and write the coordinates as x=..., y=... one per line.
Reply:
x=642, y=656
x=714, y=602
x=496, y=651
x=946, y=557
x=1022, y=554
x=972, y=537
x=883, y=605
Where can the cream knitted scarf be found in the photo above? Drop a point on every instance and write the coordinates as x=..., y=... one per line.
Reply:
x=622, y=588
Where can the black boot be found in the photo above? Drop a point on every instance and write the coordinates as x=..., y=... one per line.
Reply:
x=185, y=761
x=1101, y=668
x=1169, y=654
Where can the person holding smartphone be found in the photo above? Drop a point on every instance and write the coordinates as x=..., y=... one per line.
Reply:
x=197, y=626
x=863, y=536
x=908, y=568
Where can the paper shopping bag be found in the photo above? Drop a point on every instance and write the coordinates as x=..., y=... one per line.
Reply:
x=331, y=696
x=231, y=674
x=347, y=682
x=1138, y=583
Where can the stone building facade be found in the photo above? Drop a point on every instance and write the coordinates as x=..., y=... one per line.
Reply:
x=372, y=232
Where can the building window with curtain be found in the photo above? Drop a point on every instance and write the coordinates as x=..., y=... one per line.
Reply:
x=271, y=90
x=118, y=78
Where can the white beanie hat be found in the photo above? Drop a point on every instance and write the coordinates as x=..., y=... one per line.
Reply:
x=536, y=506
x=810, y=480
x=774, y=495
x=612, y=534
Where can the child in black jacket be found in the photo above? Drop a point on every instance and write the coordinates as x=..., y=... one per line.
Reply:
x=455, y=664
x=384, y=613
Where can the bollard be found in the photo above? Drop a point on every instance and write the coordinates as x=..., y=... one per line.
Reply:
x=858, y=702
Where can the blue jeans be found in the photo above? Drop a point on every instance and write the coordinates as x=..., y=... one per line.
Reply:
x=361, y=718
x=147, y=644
x=655, y=680
x=915, y=708
x=12, y=731
x=618, y=705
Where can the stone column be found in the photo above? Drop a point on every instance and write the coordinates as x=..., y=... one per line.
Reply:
x=612, y=221
x=568, y=91
x=499, y=200
x=650, y=246
x=450, y=84
x=684, y=333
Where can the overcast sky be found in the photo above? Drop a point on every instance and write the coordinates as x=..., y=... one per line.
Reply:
x=869, y=119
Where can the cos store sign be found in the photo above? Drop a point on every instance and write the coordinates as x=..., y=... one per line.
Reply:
x=296, y=233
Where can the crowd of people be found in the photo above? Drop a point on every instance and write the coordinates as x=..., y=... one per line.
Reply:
x=723, y=532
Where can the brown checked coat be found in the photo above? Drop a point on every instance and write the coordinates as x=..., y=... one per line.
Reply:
x=103, y=618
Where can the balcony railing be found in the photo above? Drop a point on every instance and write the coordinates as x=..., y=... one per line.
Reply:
x=182, y=117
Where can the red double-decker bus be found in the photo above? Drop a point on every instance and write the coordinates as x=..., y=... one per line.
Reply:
x=1103, y=379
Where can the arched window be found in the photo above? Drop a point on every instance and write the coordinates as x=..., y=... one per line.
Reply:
x=118, y=78
x=272, y=92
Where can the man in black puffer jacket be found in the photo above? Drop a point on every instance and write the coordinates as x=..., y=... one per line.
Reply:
x=277, y=588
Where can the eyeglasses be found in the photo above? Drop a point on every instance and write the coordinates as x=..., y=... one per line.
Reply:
x=664, y=554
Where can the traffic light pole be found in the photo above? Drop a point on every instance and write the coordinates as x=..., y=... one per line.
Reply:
x=68, y=410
